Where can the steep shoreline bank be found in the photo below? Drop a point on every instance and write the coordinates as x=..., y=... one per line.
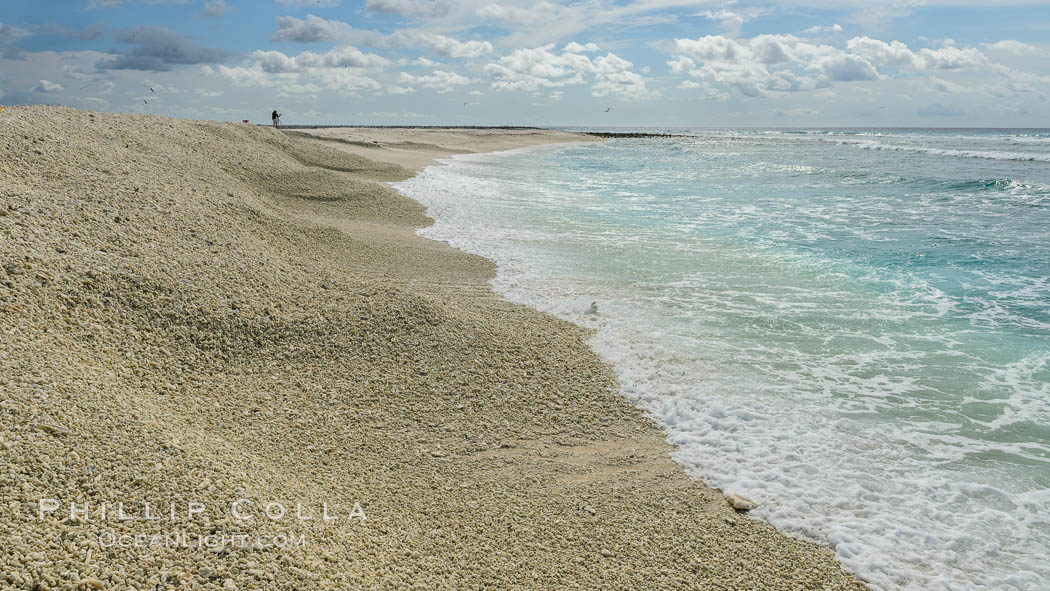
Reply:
x=198, y=312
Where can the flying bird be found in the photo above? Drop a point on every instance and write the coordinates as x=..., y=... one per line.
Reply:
x=145, y=101
x=607, y=109
x=153, y=91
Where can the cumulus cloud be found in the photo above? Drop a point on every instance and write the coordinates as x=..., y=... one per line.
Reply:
x=46, y=86
x=440, y=80
x=757, y=66
x=897, y=54
x=158, y=50
x=776, y=63
x=533, y=69
x=536, y=68
x=343, y=68
x=615, y=76
x=847, y=68
x=343, y=56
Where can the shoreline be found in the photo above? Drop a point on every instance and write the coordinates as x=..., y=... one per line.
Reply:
x=256, y=318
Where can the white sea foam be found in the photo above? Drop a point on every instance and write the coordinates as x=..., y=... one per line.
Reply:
x=985, y=154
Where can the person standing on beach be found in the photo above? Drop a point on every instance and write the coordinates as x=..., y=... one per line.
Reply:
x=276, y=118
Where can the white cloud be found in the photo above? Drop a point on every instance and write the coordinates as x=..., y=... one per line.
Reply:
x=341, y=69
x=733, y=20
x=399, y=90
x=538, y=12
x=46, y=86
x=533, y=69
x=1017, y=48
x=846, y=68
x=757, y=66
x=341, y=56
x=208, y=93
x=776, y=63
x=419, y=61
x=442, y=45
x=817, y=29
x=574, y=47
x=898, y=55
x=440, y=80
x=878, y=16
x=615, y=76
x=894, y=53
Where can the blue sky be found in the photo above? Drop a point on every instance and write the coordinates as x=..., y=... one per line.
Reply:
x=538, y=62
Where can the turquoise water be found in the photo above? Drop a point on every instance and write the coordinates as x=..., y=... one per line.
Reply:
x=851, y=327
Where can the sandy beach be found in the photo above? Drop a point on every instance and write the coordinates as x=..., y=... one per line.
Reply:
x=239, y=327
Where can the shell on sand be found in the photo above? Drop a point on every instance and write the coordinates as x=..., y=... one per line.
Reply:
x=740, y=502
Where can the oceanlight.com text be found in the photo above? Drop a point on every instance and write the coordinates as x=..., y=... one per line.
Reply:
x=182, y=539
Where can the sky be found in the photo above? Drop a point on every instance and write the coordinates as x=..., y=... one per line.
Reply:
x=665, y=63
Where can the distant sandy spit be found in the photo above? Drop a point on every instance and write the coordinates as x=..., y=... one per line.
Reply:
x=415, y=149
x=228, y=362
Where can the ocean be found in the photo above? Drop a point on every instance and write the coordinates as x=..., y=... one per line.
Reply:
x=849, y=326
